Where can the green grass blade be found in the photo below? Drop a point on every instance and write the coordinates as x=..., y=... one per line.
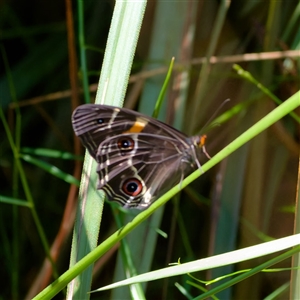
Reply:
x=220, y=260
x=50, y=169
x=163, y=91
x=50, y=153
x=119, y=53
x=14, y=201
x=248, y=76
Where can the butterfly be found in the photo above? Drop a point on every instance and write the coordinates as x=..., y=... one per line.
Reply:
x=138, y=157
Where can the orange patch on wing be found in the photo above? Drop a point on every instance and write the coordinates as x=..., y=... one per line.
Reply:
x=138, y=126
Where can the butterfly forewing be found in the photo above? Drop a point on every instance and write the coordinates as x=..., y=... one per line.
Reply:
x=95, y=123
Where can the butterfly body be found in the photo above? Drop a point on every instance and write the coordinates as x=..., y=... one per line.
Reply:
x=139, y=158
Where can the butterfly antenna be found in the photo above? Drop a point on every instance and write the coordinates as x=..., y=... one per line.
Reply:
x=215, y=113
x=204, y=136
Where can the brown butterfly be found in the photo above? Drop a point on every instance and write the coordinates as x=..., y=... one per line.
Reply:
x=139, y=158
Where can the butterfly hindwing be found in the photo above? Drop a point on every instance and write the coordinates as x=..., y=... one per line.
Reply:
x=153, y=162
